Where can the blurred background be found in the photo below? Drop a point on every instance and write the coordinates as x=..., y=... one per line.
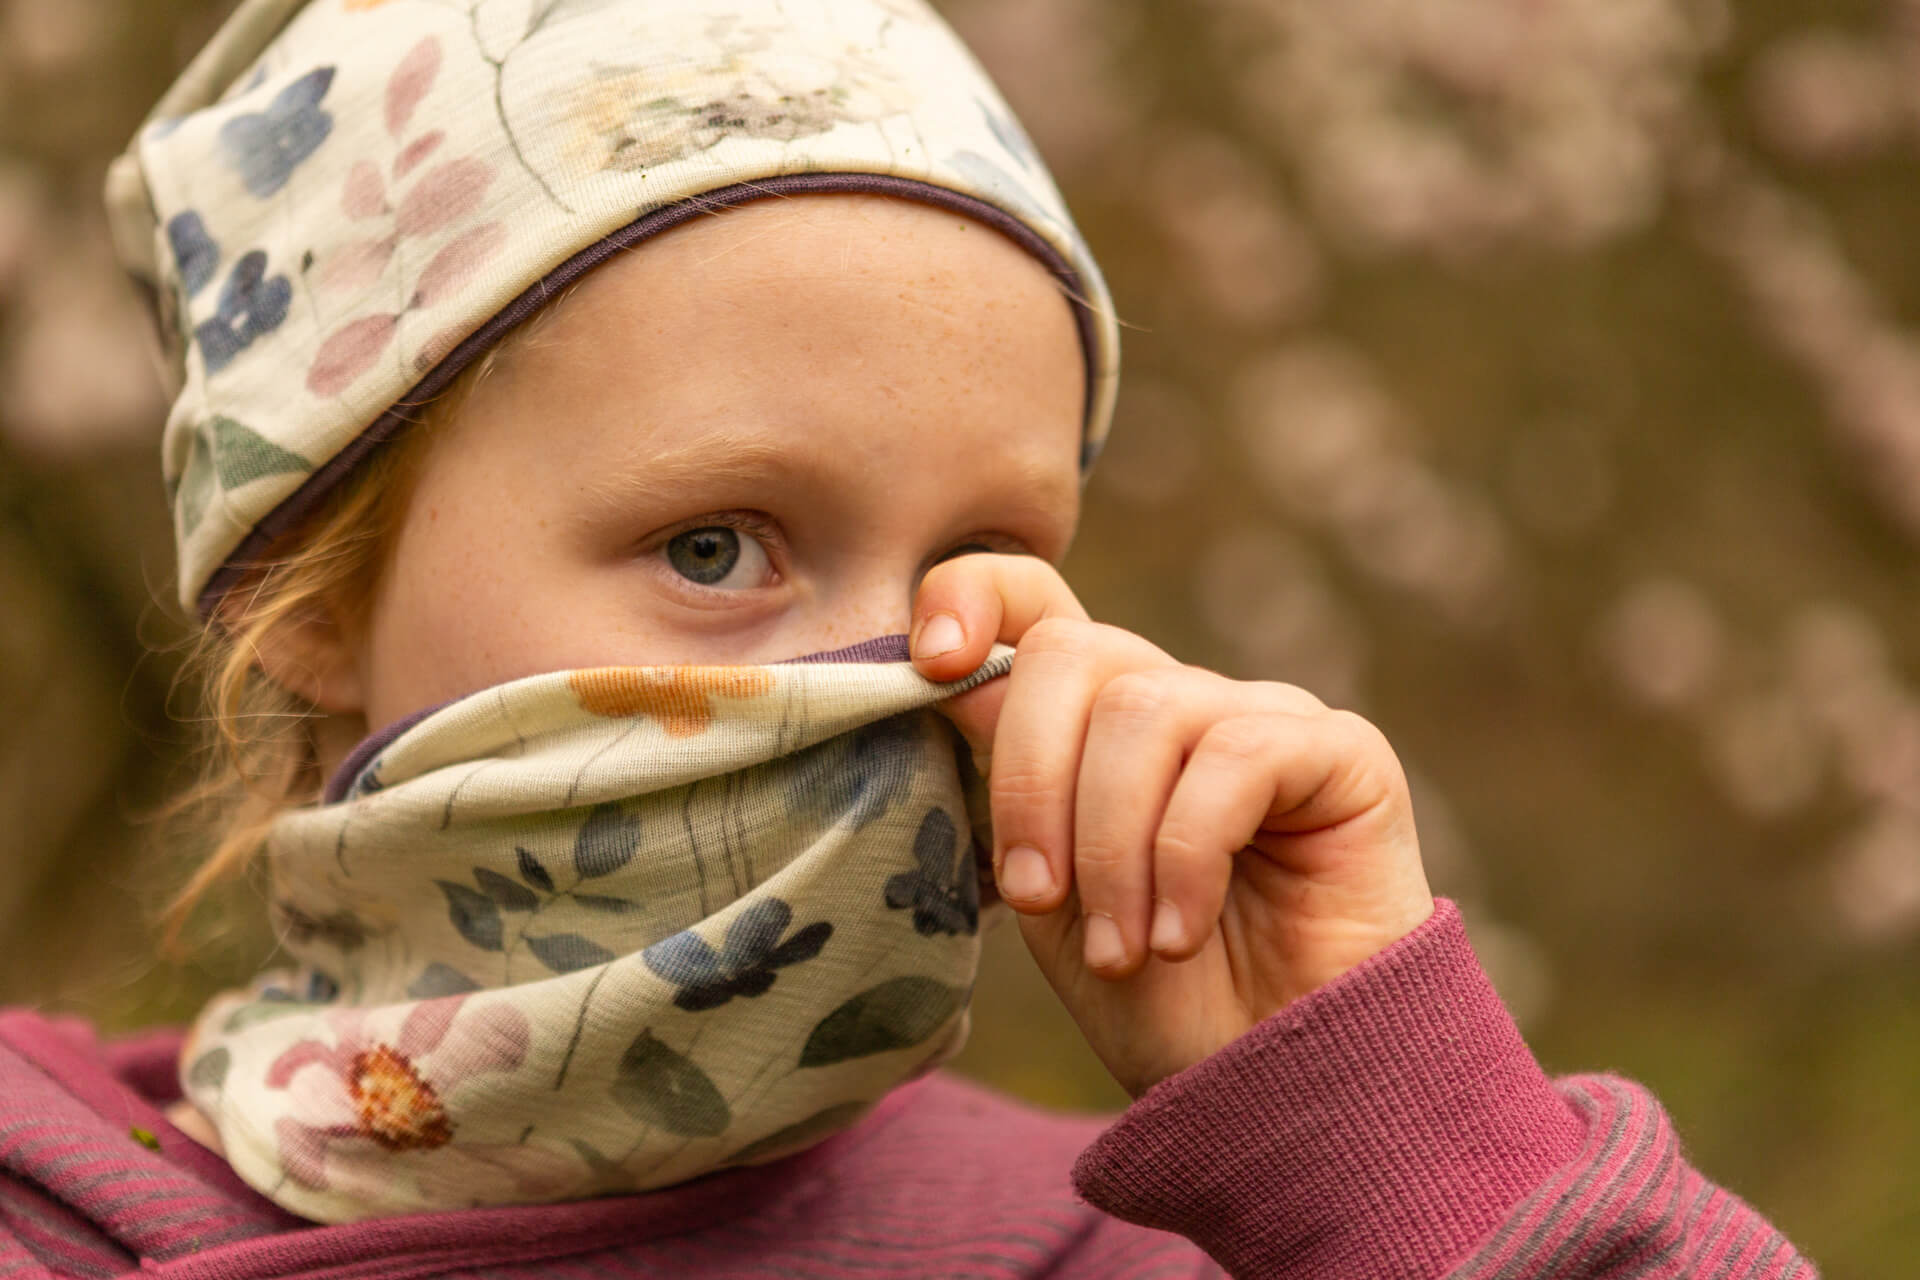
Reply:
x=1537, y=377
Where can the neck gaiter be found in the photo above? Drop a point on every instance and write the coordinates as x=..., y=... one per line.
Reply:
x=604, y=930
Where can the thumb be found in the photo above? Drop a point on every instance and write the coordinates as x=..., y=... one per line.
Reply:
x=967, y=605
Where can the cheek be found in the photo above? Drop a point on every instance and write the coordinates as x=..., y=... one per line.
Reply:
x=445, y=622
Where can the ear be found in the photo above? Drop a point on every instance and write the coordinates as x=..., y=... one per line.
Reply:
x=315, y=657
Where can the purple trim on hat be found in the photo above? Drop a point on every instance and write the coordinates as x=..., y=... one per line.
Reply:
x=297, y=505
x=880, y=649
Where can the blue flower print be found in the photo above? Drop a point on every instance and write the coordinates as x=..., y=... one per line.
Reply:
x=943, y=892
x=250, y=305
x=194, y=251
x=266, y=146
x=856, y=777
x=747, y=959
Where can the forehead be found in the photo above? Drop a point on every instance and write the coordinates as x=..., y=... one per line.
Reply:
x=873, y=332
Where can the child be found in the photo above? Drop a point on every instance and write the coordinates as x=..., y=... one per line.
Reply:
x=660, y=656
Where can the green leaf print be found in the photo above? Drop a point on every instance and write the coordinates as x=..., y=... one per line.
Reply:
x=505, y=893
x=531, y=871
x=893, y=1015
x=605, y=905
x=591, y=1154
x=266, y=1010
x=606, y=842
x=197, y=486
x=474, y=914
x=242, y=455
x=440, y=980
x=802, y=1134
x=655, y=1084
x=209, y=1070
x=227, y=455
x=565, y=952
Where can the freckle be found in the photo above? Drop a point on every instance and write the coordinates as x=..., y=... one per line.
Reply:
x=433, y=514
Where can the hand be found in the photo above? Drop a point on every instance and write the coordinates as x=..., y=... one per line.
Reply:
x=1188, y=853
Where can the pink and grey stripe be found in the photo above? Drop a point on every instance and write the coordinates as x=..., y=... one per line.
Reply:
x=1391, y=1127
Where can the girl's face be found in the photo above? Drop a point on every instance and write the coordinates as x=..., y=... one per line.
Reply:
x=745, y=441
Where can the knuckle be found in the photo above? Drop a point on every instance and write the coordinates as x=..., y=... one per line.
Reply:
x=1020, y=782
x=1136, y=696
x=1099, y=858
x=1177, y=845
x=1058, y=637
x=1243, y=738
x=1372, y=755
x=1291, y=696
x=1360, y=732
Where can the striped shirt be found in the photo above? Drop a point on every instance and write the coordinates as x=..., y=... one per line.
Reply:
x=1392, y=1125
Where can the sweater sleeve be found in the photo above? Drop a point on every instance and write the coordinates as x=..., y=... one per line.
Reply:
x=1394, y=1126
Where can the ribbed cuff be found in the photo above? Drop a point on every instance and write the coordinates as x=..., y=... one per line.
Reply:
x=1375, y=1129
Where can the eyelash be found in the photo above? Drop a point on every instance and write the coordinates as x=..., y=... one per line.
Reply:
x=760, y=528
x=996, y=544
x=767, y=532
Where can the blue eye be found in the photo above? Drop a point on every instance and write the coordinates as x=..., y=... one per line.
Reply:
x=713, y=554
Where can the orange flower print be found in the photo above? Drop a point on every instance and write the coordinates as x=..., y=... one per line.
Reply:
x=361, y=6
x=679, y=697
x=397, y=1107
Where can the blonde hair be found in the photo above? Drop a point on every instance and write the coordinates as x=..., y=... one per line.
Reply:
x=259, y=758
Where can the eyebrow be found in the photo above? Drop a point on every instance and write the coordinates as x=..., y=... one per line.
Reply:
x=646, y=475
x=710, y=456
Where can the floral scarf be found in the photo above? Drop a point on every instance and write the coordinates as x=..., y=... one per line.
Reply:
x=604, y=930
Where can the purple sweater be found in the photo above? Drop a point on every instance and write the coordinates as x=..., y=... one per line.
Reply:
x=1392, y=1125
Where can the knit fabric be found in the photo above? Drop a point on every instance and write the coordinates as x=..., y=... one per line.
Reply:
x=1428, y=1144
x=1415, y=1136
x=343, y=202
x=604, y=930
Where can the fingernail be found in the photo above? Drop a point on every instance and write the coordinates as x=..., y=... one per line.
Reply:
x=1169, y=931
x=1104, y=948
x=1024, y=874
x=939, y=634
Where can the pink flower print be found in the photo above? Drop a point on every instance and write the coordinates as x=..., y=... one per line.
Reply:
x=410, y=82
x=446, y=194
x=349, y=352
x=456, y=264
x=365, y=195
x=371, y=1088
x=357, y=265
x=439, y=199
x=416, y=151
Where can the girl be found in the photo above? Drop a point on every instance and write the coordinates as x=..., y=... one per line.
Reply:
x=633, y=439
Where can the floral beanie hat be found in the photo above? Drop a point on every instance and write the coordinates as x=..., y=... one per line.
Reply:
x=342, y=203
